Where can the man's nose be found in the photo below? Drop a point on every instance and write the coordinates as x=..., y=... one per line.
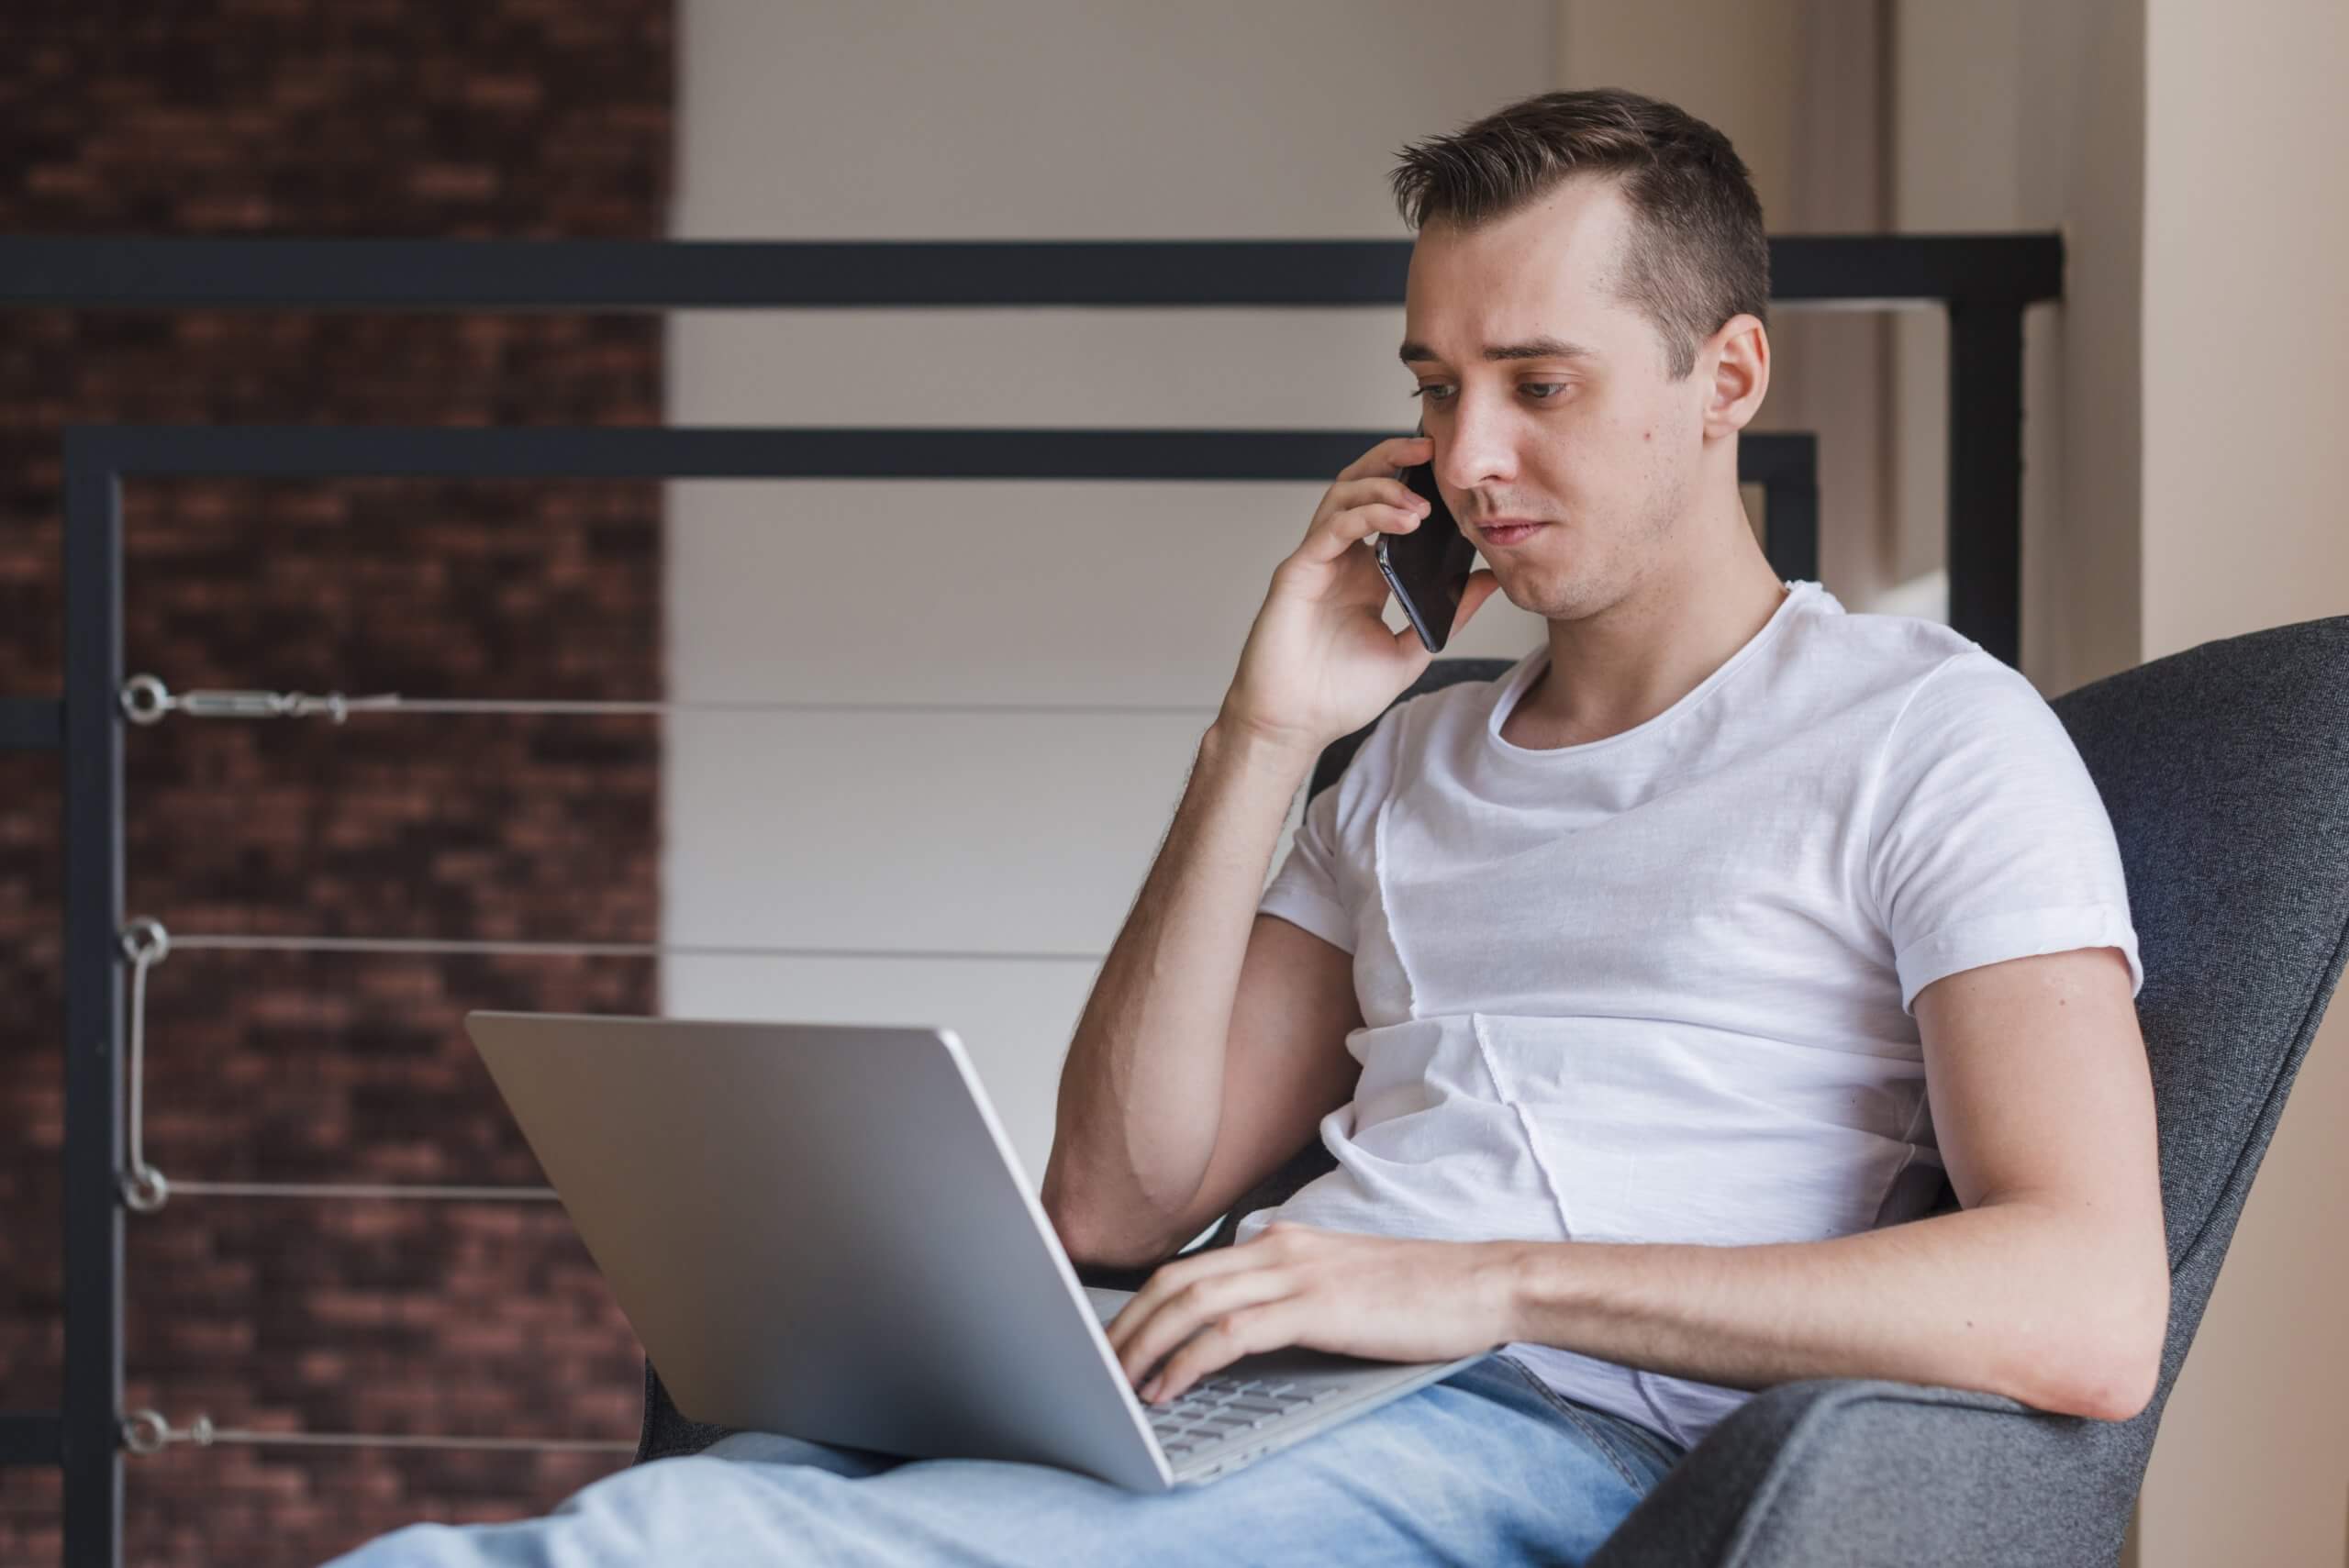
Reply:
x=1478, y=451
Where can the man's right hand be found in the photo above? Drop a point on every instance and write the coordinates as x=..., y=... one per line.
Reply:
x=1320, y=662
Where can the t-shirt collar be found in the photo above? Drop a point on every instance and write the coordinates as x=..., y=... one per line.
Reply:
x=1512, y=686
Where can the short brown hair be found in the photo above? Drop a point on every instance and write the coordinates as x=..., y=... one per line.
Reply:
x=1698, y=253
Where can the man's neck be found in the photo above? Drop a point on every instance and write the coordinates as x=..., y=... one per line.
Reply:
x=1619, y=667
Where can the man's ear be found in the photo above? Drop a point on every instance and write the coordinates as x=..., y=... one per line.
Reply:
x=1735, y=363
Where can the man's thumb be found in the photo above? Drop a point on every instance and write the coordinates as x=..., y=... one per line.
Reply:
x=1479, y=587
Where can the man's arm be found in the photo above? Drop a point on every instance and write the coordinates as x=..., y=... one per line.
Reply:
x=1211, y=1043
x=2050, y=1284
x=1286, y=1064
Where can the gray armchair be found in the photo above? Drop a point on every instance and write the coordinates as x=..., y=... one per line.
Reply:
x=2225, y=770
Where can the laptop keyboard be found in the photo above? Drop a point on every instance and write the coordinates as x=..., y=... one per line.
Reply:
x=1220, y=1405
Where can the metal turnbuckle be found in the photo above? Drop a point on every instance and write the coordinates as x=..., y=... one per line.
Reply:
x=145, y=700
x=146, y=1431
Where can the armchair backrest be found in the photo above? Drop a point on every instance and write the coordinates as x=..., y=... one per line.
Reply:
x=2225, y=770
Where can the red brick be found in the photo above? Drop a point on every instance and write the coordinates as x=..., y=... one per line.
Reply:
x=299, y=118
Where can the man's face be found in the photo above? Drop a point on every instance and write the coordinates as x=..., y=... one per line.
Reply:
x=1586, y=437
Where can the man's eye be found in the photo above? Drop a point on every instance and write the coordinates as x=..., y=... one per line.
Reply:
x=1442, y=394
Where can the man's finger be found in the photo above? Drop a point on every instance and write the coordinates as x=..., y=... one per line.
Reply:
x=1330, y=540
x=1224, y=1340
x=1383, y=460
x=1172, y=1315
x=1176, y=1276
x=1201, y=1302
x=1481, y=584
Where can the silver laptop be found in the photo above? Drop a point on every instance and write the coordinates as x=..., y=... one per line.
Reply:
x=821, y=1229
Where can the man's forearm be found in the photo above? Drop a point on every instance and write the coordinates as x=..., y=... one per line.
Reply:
x=1140, y=1094
x=2040, y=1305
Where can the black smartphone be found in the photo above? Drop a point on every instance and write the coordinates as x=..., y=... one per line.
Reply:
x=1429, y=567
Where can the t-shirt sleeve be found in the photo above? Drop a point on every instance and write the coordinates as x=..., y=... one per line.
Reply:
x=1988, y=840
x=1306, y=891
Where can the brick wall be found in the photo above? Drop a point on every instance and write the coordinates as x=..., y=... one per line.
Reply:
x=459, y=117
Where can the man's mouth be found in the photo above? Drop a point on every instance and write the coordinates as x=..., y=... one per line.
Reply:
x=1506, y=530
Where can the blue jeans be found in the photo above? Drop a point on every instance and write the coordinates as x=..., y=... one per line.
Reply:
x=1487, y=1466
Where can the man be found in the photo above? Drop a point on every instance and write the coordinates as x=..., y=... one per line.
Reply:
x=1644, y=995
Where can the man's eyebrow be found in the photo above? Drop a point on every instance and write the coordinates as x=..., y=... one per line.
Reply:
x=1545, y=348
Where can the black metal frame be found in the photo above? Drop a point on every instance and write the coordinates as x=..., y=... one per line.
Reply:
x=1986, y=282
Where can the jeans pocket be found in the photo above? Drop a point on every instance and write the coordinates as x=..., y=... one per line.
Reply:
x=1586, y=1422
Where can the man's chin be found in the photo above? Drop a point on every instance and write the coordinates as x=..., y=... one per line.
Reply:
x=1507, y=583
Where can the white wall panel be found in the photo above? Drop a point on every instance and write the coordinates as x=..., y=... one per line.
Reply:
x=946, y=831
x=994, y=591
x=1028, y=120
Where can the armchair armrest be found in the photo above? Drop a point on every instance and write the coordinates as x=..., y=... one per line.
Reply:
x=1828, y=1473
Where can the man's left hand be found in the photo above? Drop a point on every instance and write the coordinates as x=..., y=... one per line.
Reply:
x=1379, y=1296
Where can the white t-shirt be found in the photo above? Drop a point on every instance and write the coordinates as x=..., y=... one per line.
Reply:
x=1656, y=987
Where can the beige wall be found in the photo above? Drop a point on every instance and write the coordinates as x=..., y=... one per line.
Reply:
x=2247, y=337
